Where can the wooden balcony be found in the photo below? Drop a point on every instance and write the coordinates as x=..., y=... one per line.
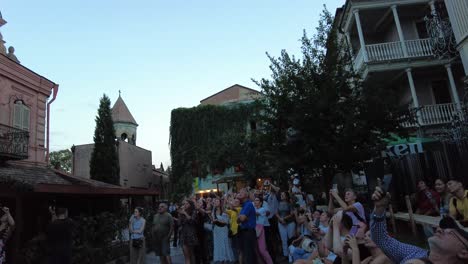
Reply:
x=392, y=51
x=439, y=114
x=14, y=143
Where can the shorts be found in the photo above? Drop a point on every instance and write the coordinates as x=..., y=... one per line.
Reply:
x=162, y=247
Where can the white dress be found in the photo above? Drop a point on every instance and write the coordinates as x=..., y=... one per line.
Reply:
x=222, y=250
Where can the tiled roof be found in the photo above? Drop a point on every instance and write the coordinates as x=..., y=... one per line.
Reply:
x=120, y=112
x=31, y=175
x=43, y=179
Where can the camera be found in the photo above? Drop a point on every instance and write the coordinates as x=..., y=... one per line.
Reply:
x=308, y=245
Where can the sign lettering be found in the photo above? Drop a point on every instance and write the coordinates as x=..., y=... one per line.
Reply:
x=402, y=150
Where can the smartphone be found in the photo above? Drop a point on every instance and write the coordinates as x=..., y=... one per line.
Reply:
x=317, y=223
x=335, y=186
x=387, y=179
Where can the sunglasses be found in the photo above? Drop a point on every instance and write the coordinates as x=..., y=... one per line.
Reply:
x=449, y=226
x=455, y=234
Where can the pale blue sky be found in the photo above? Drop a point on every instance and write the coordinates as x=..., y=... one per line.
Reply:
x=161, y=54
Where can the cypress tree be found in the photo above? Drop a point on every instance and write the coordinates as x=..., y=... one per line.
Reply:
x=104, y=163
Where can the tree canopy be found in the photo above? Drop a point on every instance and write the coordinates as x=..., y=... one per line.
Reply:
x=318, y=114
x=104, y=163
x=61, y=159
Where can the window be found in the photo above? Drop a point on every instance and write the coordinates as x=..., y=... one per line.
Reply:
x=21, y=115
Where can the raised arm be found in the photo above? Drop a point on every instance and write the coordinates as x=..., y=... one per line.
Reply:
x=9, y=218
x=342, y=203
x=394, y=249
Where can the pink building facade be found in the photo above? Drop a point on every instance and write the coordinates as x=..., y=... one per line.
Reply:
x=23, y=111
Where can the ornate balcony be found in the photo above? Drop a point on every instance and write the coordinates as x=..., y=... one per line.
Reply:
x=14, y=143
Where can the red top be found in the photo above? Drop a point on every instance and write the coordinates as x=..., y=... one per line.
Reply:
x=424, y=202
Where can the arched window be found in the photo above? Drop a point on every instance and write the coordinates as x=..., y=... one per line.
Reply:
x=21, y=115
x=124, y=137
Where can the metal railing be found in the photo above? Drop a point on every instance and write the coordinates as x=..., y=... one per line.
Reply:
x=14, y=143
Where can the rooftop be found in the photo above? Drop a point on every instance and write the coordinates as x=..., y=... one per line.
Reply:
x=121, y=114
x=46, y=180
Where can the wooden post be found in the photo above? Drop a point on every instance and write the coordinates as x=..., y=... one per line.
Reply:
x=392, y=218
x=410, y=213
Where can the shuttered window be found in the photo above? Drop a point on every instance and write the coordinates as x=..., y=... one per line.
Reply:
x=21, y=116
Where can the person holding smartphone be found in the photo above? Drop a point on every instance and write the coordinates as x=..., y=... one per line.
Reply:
x=7, y=224
x=352, y=208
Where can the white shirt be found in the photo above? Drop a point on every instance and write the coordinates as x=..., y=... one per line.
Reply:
x=261, y=217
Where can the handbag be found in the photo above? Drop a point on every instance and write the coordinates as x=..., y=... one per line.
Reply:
x=137, y=242
x=218, y=223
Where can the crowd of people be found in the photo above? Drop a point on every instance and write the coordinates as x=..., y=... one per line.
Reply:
x=270, y=225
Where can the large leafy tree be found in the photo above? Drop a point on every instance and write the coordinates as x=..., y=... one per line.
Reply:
x=318, y=116
x=104, y=163
x=61, y=159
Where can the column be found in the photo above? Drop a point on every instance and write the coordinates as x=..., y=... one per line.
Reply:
x=361, y=35
x=413, y=93
x=350, y=45
x=400, y=31
x=453, y=87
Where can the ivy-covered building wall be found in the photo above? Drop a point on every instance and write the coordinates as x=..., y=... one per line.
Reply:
x=207, y=139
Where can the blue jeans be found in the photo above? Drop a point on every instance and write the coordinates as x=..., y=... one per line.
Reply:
x=286, y=232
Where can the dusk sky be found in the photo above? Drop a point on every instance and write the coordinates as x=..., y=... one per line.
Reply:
x=161, y=54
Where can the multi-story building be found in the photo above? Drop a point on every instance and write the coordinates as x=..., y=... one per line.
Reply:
x=407, y=44
x=458, y=14
x=27, y=185
x=232, y=95
x=232, y=176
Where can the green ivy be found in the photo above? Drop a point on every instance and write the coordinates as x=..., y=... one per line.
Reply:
x=209, y=138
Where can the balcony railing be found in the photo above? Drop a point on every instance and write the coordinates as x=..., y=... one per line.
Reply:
x=436, y=115
x=389, y=51
x=14, y=143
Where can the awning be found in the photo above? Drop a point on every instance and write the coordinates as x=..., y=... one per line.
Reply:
x=395, y=140
x=229, y=178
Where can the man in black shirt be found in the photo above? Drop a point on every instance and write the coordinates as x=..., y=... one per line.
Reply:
x=59, y=237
